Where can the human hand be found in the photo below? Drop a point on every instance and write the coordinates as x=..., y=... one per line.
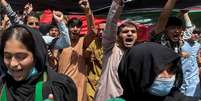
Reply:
x=84, y=4
x=3, y=2
x=58, y=16
x=50, y=98
x=28, y=8
x=6, y=19
x=183, y=11
x=184, y=55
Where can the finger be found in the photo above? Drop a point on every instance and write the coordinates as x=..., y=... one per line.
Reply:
x=50, y=96
x=53, y=12
x=80, y=2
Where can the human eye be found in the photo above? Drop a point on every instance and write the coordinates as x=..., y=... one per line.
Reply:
x=7, y=55
x=21, y=56
x=30, y=23
x=125, y=31
x=133, y=31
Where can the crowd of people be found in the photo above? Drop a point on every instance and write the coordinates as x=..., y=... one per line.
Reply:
x=46, y=57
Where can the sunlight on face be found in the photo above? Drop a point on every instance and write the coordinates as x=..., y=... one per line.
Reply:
x=18, y=60
x=128, y=35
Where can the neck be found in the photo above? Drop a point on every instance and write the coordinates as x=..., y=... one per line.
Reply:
x=74, y=42
x=122, y=47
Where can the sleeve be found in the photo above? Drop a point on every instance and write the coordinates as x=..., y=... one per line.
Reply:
x=188, y=31
x=14, y=18
x=64, y=38
x=48, y=39
x=109, y=36
x=189, y=27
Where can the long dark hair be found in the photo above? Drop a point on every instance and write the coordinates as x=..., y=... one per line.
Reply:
x=20, y=34
x=32, y=40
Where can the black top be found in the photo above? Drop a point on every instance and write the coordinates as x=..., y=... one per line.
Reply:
x=140, y=66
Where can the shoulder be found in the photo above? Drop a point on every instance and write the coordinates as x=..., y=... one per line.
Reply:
x=59, y=78
x=62, y=86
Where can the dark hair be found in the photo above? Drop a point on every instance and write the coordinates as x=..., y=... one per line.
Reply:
x=174, y=21
x=20, y=34
x=197, y=30
x=52, y=26
x=74, y=22
x=33, y=14
x=128, y=24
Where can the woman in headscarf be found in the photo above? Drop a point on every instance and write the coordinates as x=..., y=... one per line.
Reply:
x=150, y=71
x=27, y=75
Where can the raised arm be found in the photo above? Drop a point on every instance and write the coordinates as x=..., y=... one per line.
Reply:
x=188, y=24
x=64, y=38
x=110, y=33
x=163, y=18
x=91, y=31
x=28, y=8
x=5, y=22
x=14, y=18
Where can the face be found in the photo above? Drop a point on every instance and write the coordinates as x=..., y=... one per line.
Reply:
x=74, y=32
x=194, y=36
x=128, y=36
x=33, y=22
x=18, y=60
x=174, y=33
x=168, y=72
x=54, y=32
x=100, y=29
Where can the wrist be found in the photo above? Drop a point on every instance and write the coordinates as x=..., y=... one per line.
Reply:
x=88, y=12
x=59, y=21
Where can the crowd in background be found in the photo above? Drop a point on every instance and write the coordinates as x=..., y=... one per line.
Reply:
x=46, y=56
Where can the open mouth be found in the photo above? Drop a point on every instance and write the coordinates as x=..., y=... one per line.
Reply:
x=176, y=36
x=75, y=34
x=16, y=73
x=129, y=40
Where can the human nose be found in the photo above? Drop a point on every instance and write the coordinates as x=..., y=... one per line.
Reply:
x=130, y=33
x=13, y=62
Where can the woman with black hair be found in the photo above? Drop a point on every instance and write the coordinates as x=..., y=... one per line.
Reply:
x=27, y=76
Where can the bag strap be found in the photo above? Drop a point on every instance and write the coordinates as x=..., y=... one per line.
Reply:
x=38, y=90
x=3, y=96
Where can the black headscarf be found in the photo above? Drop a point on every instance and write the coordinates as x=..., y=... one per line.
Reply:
x=140, y=66
x=62, y=87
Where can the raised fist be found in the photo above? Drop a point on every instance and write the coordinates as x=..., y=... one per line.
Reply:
x=58, y=16
x=84, y=4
